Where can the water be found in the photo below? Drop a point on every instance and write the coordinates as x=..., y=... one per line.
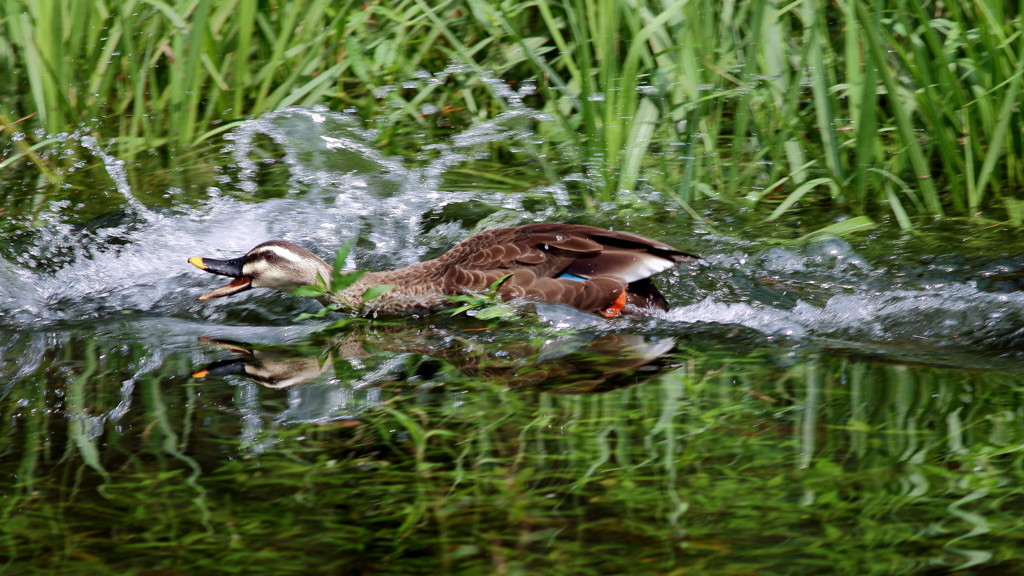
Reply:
x=832, y=402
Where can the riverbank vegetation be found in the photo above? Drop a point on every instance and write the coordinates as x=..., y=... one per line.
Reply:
x=896, y=109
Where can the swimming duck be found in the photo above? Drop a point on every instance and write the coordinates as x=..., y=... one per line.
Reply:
x=592, y=269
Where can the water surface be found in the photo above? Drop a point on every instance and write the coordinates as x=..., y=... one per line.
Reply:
x=847, y=405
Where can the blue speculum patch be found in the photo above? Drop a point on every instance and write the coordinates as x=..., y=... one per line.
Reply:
x=571, y=277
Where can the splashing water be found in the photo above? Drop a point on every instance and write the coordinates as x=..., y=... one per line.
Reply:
x=137, y=261
x=341, y=185
x=826, y=291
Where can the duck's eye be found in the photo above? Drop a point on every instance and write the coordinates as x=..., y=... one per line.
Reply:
x=269, y=256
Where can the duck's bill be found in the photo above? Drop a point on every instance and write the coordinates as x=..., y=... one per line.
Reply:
x=231, y=268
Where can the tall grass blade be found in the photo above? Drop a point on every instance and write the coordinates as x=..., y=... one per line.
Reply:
x=874, y=32
x=637, y=144
x=997, y=141
x=824, y=107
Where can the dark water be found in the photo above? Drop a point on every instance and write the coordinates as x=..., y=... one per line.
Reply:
x=830, y=405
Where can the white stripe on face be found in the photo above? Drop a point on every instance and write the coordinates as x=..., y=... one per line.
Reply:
x=281, y=252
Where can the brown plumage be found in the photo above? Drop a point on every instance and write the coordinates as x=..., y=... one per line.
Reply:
x=590, y=268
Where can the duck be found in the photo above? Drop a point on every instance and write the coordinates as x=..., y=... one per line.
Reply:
x=605, y=272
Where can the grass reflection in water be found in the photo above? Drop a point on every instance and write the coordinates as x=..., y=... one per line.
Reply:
x=717, y=460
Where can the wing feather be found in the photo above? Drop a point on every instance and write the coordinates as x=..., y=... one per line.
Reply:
x=537, y=255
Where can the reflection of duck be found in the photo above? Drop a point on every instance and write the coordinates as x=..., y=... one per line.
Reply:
x=592, y=269
x=575, y=364
x=269, y=367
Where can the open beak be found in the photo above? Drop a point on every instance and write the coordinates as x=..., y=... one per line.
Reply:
x=231, y=268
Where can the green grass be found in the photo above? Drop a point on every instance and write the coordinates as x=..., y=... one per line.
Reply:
x=900, y=108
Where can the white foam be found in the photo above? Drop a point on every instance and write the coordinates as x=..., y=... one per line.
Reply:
x=956, y=314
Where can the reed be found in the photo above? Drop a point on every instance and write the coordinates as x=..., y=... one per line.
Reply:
x=904, y=109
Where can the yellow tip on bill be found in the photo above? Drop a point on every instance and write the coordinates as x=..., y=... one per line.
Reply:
x=197, y=261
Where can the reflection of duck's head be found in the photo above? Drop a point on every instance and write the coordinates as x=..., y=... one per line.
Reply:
x=276, y=264
x=596, y=270
x=273, y=368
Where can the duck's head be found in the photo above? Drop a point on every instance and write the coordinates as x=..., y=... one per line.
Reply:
x=276, y=264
